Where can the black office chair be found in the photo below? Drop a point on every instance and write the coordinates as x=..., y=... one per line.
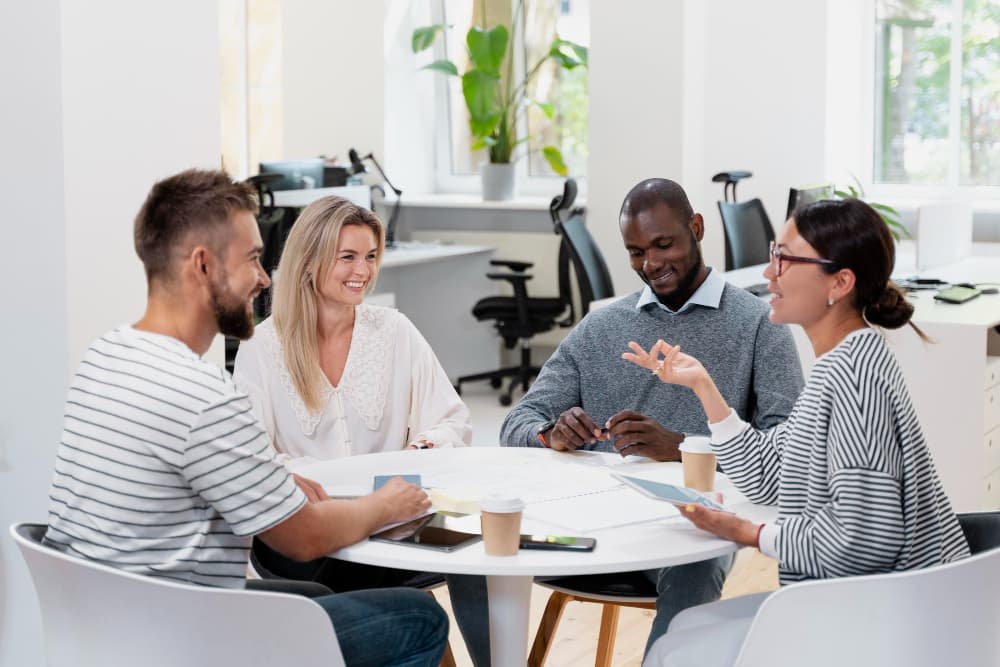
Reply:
x=748, y=233
x=520, y=317
x=982, y=530
x=274, y=223
x=746, y=226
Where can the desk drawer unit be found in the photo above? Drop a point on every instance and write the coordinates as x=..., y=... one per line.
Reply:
x=991, y=408
x=991, y=441
x=991, y=491
x=991, y=451
x=992, y=371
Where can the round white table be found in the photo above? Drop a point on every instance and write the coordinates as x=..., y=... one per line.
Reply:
x=544, y=473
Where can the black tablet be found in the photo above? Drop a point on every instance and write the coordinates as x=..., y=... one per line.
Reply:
x=429, y=532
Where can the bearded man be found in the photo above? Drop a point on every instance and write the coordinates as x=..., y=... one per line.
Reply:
x=164, y=471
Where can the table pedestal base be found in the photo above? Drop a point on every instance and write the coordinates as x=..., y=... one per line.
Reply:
x=510, y=601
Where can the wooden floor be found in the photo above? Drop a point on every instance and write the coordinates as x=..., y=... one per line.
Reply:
x=576, y=638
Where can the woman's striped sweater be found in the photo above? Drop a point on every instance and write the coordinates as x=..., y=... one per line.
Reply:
x=855, y=484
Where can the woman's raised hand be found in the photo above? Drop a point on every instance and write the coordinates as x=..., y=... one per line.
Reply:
x=668, y=363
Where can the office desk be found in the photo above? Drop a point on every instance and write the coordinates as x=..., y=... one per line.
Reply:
x=436, y=285
x=954, y=382
x=658, y=543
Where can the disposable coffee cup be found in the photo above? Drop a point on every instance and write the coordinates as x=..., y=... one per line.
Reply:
x=500, y=518
x=698, y=463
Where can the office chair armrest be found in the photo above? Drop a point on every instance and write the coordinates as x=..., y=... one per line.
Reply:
x=513, y=265
x=518, y=281
x=512, y=278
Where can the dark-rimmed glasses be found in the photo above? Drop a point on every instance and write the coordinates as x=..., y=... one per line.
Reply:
x=779, y=259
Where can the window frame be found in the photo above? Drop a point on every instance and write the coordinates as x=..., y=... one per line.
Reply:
x=981, y=197
x=445, y=179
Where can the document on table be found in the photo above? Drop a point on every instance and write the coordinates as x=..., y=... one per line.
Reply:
x=608, y=508
x=586, y=500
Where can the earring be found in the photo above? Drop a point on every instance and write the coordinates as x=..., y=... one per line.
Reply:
x=830, y=301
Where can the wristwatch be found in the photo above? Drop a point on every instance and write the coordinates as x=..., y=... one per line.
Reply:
x=543, y=429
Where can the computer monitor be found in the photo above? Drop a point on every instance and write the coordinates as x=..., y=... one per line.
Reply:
x=807, y=195
x=298, y=174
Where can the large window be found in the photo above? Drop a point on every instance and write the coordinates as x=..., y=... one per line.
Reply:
x=250, y=84
x=937, y=96
x=565, y=90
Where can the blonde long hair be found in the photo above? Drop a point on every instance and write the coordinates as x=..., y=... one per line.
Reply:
x=309, y=253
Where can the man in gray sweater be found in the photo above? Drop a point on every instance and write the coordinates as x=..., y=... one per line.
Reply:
x=587, y=397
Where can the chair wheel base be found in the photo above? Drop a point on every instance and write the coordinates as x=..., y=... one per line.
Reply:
x=506, y=400
x=495, y=382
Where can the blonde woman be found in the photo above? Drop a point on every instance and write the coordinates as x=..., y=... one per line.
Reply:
x=330, y=376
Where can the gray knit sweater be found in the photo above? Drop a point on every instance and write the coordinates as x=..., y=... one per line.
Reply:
x=753, y=362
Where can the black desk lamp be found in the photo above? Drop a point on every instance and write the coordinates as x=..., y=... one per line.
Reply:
x=358, y=167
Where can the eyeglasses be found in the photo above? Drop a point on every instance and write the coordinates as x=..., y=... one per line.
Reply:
x=779, y=259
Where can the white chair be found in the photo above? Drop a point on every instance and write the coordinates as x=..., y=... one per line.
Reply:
x=942, y=615
x=99, y=616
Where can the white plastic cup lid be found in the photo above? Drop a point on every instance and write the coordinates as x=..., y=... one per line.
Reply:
x=696, y=444
x=500, y=504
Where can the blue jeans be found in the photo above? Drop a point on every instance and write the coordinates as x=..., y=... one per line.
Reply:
x=470, y=603
x=683, y=586
x=388, y=626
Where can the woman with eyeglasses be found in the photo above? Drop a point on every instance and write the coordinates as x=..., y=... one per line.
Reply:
x=855, y=485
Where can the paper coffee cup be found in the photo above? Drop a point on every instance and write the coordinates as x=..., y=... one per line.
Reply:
x=500, y=518
x=698, y=463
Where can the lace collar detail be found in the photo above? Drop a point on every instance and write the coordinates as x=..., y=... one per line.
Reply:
x=367, y=375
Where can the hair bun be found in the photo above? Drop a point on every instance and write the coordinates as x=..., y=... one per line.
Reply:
x=890, y=309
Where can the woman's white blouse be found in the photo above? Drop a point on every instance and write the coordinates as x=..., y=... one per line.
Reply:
x=392, y=392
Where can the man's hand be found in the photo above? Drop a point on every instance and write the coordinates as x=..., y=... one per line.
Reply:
x=401, y=500
x=574, y=429
x=635, y=433
x=724, y=524
x=314, y=492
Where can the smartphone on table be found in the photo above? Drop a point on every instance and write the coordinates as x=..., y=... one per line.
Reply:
x=558, y=542
x=957, y=294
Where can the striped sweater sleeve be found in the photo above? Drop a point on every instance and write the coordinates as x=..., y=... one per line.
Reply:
x=750, y=458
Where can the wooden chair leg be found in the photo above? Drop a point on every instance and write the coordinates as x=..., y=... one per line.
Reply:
x=547, y=628
x=606, y=639
x=448, y=658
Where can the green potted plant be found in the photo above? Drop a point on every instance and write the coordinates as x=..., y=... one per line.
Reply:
x=888, y=213
x=494, y=99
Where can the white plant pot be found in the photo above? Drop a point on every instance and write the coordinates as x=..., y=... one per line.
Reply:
x=498, y=181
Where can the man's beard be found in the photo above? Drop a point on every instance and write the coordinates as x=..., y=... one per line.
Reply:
x=231, y=314
x=684, y=284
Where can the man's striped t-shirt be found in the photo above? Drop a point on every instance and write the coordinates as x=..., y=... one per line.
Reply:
x=162, y=468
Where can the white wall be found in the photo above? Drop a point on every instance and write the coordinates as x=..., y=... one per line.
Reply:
x=765, y=97
x=136, y=108
x=685, y=89
x=636, y=117
x=33, y=335
x=101, y=99
x=332, y=60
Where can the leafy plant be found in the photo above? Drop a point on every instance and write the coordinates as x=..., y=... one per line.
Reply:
x=887, y=213
x=494, y=100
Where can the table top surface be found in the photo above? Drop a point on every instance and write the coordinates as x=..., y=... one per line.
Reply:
x=653, y=542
